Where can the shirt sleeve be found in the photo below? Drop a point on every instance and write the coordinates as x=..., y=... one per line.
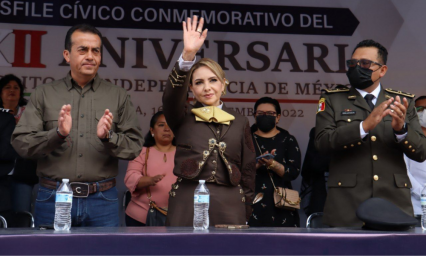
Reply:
x=186, y=65
x=29, y=138
x=135, y=171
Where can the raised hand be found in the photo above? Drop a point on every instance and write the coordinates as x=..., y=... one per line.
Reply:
x=193, y=37
x=65, y=120
x=398, y=112
x=376, y=115
x=104, y=124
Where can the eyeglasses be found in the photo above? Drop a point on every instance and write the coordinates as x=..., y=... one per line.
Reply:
x=420, y=108
x=268, y=113
x=364, y=63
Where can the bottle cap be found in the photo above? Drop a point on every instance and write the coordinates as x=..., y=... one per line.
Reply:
x=65, y=180
x=202, y=181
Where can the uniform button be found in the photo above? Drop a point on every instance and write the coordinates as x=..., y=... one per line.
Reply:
x=340, y=183
x=82, y=115
x=406, y=142
x=81, y=135
x=349, y=120
x=218, y=131
x=82, y=96
x=413, y=150
x=345, y=147
x=373, y=138
x=214, y=161
x=80, y=155
x=359, y=143
x=376, y=177
x=213, y=172
x=352, y=145
x=215, y=151
x=410, y=146
x=375, y=157
x=405, y=184
x=79, y=176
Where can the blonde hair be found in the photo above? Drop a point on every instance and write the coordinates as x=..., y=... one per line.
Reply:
x=214, y=67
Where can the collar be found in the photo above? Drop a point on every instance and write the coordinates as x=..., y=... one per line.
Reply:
x=375, y=92
x=220, y=105
x=211, y=114
x=94, y=83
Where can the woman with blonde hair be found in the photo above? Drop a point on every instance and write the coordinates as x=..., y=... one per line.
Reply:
x=213, y=142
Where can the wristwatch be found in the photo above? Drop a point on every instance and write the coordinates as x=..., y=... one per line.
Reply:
x=402, y=131
x=108, y=137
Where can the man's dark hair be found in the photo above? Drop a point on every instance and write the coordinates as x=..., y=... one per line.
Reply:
x=85, y=28
x=420, y=98
x=268, y=100
x=382, y=53
x=5, y=80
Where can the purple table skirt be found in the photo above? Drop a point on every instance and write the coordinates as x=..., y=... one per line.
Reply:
x=186, y=241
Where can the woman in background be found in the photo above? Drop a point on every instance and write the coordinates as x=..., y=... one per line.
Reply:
x=159, y=142
x=282, y=169
x=22, y=175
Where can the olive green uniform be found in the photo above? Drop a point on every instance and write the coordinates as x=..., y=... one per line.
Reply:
x=363, y=168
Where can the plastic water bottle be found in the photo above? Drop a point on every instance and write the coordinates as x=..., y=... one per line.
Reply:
x=423, y=203
x=201, y=206
x=63, y=206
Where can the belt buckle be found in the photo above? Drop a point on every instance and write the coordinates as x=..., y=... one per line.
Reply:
x=80, y=189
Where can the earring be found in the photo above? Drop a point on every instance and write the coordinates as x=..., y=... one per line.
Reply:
x=152, y=135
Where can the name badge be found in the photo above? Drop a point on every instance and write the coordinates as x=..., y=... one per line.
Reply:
x=348, y=112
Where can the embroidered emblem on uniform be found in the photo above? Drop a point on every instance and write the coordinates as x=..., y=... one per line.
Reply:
x=321, y=105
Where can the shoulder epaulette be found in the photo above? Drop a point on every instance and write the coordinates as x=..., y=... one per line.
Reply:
x=4, y=110
x=336, y=90
x=406, y=94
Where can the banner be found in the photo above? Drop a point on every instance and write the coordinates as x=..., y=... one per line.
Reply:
x=288, y=50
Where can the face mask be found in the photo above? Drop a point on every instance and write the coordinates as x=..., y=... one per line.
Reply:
x=360, y=78
x=422, y=118
x=265, y=123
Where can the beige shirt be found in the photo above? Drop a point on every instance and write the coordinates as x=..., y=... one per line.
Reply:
x=82, y=156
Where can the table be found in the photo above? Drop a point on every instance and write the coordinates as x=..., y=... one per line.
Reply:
x=186, y=241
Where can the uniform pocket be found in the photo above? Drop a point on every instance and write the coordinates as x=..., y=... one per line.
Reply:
x=342, y=181
x=402, y=181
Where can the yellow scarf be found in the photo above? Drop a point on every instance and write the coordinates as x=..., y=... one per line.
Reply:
x=212, y=114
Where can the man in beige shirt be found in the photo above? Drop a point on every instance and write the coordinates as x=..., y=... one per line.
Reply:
x=77, y=128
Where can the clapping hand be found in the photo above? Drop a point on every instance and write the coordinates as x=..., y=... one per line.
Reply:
x=65, y=120
x=104, y=124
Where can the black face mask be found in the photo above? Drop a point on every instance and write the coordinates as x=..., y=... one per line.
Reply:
x=265, y=123
x=360, y=78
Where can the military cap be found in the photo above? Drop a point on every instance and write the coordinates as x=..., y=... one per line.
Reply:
x=380, y=214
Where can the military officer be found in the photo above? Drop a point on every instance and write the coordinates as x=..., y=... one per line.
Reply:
x=367, y=129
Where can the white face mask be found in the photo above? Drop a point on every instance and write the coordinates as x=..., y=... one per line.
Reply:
x=422, y=118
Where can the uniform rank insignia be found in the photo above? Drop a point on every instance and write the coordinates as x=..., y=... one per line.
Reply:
x=321, y=105
x=348, y=112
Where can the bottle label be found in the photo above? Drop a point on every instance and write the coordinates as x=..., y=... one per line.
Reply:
x=63, y=198
x=201, y=198
x=423, y=200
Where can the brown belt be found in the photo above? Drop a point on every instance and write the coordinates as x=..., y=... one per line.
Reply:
x=81, y=189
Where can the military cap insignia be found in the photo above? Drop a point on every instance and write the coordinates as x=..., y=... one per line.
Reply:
x=406, y=94
x=321, y=105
